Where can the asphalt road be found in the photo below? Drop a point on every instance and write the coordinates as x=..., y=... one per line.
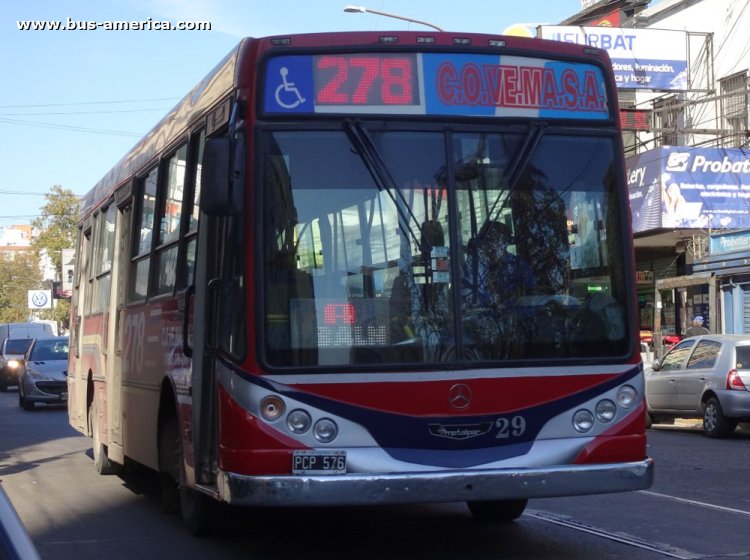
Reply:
x=699, y=507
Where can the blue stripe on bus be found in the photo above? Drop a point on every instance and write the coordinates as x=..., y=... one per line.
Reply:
x=403, y=436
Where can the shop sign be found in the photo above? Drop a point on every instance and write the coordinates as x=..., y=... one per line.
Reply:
x=730, y=242
x=644, y=276
x=641, y=58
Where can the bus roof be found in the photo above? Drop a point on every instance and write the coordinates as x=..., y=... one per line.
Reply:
x=216, y=85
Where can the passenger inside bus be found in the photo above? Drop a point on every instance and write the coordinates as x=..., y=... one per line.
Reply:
x=493, y=276
x=493, y=279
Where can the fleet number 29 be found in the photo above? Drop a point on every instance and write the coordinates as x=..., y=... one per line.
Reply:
x=514, y=427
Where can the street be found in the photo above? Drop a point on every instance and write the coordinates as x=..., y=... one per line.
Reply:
x=698, y=507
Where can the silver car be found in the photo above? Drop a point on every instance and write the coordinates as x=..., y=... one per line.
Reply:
x=44, y=375
x=706, y=377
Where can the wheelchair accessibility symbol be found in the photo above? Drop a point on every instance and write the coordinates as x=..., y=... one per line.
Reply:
x=287, y=94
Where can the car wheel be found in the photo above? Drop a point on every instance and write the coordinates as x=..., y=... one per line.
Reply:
x=715, y=424
x=497, y=510
x=102, y=464
x=23, y=402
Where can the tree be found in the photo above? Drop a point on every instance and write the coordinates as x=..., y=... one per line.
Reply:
x=18, y=274
x=57, y=225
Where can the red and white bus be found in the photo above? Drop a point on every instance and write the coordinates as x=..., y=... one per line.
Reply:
x=368, y=268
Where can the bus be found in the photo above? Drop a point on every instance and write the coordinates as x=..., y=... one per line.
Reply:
x=368, y=268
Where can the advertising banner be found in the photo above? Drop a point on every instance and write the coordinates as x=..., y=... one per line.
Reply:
x=641, y=58
x=686, y=187
x=644, y=190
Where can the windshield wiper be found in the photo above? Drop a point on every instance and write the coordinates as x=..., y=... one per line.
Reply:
x=522, y=159
x=370, y=155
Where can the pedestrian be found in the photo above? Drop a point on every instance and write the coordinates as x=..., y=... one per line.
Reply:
x=697, y=327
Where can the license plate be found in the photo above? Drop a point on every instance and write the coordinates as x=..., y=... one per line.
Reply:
x=314, y=461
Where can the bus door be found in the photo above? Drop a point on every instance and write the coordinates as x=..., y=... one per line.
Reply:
x=77, y=405
x=219, y=307
x=207, y=274
x=120, y=271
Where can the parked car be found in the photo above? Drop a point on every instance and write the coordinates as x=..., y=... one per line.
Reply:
x=706, y=377
x=44, y=375
x=12, y=351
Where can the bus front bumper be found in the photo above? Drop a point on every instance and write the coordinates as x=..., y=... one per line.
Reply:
x=435, y=486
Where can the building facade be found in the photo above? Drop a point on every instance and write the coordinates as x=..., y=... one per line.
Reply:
x=683, y=68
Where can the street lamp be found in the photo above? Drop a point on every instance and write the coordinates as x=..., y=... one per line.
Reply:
x=364, y=10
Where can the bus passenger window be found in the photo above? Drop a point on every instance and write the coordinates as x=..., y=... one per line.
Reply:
x=169, y=219
x=143, y=232
x=186, y=266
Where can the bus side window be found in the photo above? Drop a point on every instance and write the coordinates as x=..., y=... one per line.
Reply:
x=191, y=210
x=169, y=220
x=85, y=276
x=143, y=233
x=102, y=261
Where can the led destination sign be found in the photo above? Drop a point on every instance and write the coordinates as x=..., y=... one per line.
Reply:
x=434, y=84
x=365, y=80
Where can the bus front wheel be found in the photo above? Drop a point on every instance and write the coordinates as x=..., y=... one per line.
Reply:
x=197, y=508
x=497, y=510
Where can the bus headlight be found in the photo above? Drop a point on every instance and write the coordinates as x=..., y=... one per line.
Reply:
x=626, y=396
x=606, y=410
x=583, y=421
x=298, y=421
x=325, y=430
x=271, y=408
x=13, y=364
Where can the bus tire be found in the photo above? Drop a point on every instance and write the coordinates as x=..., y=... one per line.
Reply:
x=102, y=464
x=169, y=467
x=198, y=509
x=497, y=510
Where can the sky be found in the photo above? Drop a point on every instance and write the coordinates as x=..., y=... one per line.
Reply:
x=73, y=102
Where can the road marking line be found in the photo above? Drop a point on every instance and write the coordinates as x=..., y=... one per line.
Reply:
x=696, y=503
x=664, y=549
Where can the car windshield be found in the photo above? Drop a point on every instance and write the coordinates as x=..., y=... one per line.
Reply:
x=49, y=350
x=440, y=247
x=18, y=345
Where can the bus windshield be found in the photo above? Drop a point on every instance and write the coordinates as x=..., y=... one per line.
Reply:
x=455, y=247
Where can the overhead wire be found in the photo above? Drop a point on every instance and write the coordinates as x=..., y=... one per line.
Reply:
x=78, y=103
x=71, y=128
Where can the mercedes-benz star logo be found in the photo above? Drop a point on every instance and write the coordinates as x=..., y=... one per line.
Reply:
x=459, y=396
